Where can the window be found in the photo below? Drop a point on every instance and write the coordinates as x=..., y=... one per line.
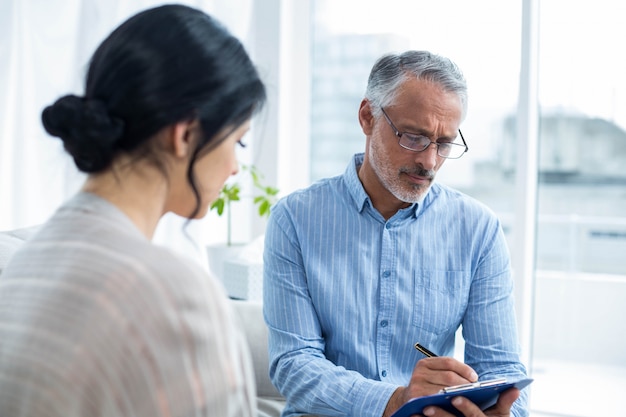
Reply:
x=581, y=230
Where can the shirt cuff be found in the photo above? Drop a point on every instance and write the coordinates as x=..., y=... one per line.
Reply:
x=372, y=398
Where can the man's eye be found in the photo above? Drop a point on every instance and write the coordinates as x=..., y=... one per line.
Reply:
x=416, y=138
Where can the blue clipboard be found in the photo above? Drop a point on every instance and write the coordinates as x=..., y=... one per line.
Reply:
x=483, y=396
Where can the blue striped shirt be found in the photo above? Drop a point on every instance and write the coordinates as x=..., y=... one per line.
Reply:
x=347, y=294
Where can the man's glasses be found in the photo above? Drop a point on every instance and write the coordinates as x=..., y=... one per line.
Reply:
x=418, y=143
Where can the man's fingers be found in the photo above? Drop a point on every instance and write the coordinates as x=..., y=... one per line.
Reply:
x=452, y=366
x=507, y=398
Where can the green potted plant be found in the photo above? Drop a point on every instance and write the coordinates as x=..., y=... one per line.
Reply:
x=263, y=197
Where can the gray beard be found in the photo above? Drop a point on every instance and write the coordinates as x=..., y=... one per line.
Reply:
x=408, y=196
x=398, y=188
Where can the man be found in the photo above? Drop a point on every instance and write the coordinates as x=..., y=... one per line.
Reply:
x=360, y=267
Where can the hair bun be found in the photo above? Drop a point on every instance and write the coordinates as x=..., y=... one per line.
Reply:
x=88, y=131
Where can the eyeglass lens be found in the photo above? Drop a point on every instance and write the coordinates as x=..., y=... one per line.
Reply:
x=420, y=143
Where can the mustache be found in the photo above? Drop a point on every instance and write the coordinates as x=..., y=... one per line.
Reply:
x=419, y=171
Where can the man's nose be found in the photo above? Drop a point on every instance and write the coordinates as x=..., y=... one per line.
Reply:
x=428, y=157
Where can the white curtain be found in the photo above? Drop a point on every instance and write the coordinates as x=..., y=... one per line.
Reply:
x=45, y=46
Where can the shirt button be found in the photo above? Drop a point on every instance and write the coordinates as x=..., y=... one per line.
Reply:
x=387, y=225
x=384, y=373
x=384, y=323
x=386, y=274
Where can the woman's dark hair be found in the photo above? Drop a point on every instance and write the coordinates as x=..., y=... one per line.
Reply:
x=162, y=66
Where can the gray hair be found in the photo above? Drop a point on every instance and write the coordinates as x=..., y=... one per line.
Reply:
x=392, y=70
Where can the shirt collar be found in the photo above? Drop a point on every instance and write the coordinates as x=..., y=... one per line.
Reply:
x=358, y=194
x=355, y=188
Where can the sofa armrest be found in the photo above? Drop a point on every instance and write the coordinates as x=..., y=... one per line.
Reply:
x=250, y=314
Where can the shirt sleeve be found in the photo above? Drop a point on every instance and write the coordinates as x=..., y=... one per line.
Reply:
x=298, y=366
x=489, y=326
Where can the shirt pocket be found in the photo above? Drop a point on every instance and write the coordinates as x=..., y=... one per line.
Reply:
x=440, y=300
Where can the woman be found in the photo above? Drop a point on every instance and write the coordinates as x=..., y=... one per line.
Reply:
x=95, y=320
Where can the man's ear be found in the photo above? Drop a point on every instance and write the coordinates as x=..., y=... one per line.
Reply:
x=181, y=137
x=366, y=119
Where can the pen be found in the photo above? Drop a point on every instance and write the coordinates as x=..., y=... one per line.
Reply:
x=425, y=351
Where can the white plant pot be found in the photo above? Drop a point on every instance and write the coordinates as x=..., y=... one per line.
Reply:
x=219, y=253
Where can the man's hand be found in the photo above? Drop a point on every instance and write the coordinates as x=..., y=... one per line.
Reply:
x=469, y=409
x=429, y=376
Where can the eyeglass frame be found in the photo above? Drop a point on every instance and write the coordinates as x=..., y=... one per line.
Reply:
x=399, y=135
